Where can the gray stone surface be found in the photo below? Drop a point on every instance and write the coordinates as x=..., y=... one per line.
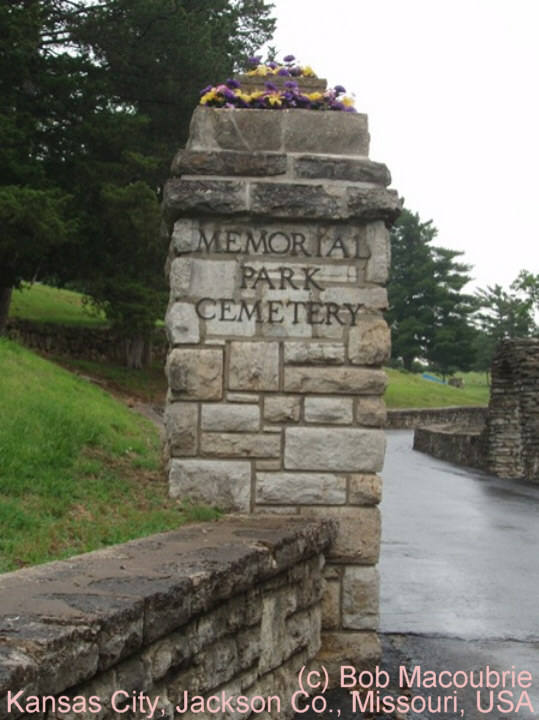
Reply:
x=379, y=245
x=188, y=196
x=282, y=408
x=295, y=200
x=314, y=353
x=181, y=423
x=338, y=411
x=369, y=342
x=328, y=167
x=195, y=374
x=182, y=324
x=222, y=483
x=361, y=587
x=286, y=488
x=219, y=162
x=254, y=366
x=237, y=417
x=344, y=449
x=339, y=380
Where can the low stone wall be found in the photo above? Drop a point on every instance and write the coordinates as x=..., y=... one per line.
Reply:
x=96, y=344
x=456, y=444
x=221, y=609
x=411, y=418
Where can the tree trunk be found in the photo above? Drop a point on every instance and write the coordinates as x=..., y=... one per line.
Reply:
x=5, y=301
x=134, y=347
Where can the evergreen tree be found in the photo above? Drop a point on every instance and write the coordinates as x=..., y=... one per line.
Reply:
x=429, y=311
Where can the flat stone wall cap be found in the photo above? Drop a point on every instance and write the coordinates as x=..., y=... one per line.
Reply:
x=334, y=167
x=291, y=130
x=164, y=580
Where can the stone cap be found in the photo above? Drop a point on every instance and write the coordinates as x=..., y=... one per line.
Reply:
x=289, y=131
x=258, y=82
x=61, y=621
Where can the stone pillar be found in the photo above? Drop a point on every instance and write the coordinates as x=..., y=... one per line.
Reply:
x=279, y=253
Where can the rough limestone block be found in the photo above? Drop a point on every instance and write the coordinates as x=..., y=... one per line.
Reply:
x=203, y=197
x=358, y=537
x=338, y=380
x=282, y=408
x=333, y=411
x=364, y=489
x=181, y=423
x=372, y=202
x=222, y=162
x=371, y=411
x=369, y=342
x=313, y=353
x=223, y=323
x=296, y=200
x=360, y=598
x=195, y=374
x=335, y=133
x=334, y=449
x=379, y=244
x=230, y=418
x=273, y=635
x=182, y=324
x=240, y=130
x=201, y=278
x=331, y=606
x=362, y=299
x=285, y=488
x=242, y=397
x=185, y=236
x=252, y=445
x=361, y=650
x=254, y=366
x=324, y=167
x=220, y=483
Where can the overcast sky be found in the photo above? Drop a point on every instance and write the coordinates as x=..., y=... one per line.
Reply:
x=451, y=88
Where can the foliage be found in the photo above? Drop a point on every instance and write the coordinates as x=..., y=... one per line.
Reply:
x=286, y=95
x=41, y=303
x=408, y=390
x=429, y=311
x=78, y=471
x=96, y=98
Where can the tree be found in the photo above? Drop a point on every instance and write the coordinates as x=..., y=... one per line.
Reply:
x=96, y=98
x=428, y=312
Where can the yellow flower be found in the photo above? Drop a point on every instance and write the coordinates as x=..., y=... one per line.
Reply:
x=208, y=97
x=307, y=71
x=275, y=99
x=348, y=101
x=315, y=96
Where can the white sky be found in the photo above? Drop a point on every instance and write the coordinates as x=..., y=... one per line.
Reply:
x=451, y=88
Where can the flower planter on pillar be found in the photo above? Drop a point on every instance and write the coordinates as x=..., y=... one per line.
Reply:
x=279, y=254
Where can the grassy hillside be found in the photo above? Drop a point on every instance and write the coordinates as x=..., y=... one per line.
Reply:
x=412, y=391
x=41, y=303
x=78, y=470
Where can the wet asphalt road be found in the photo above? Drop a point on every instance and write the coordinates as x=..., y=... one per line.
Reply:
x=459, y=574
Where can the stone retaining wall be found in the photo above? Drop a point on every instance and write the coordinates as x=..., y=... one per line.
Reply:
x=456, y=444
x=96, y=344
x=411, y=418
x=229, y=608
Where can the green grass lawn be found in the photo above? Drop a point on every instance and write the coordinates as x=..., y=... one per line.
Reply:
x=41, y=303
x=78, y=470
x=407, y=390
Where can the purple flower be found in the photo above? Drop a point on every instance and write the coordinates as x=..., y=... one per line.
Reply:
x=206, y=89
x=232, y=83
x=337, y=106
x=295, y=71
x=228, y=93
x=254, y=60
x=272, y=64
x=289, y=59
x=271, y=86
x=283, y=72
x=291, y=84
x=339, y=89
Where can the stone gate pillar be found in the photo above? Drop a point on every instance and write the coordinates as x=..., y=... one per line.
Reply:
x=279, y=253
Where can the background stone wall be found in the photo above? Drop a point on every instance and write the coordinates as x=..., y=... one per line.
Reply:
x=229, y=608
x=513, y=415
x=279, y=252
x=411, y=418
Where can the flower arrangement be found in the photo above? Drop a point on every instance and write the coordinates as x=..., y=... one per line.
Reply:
x=287, y=95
